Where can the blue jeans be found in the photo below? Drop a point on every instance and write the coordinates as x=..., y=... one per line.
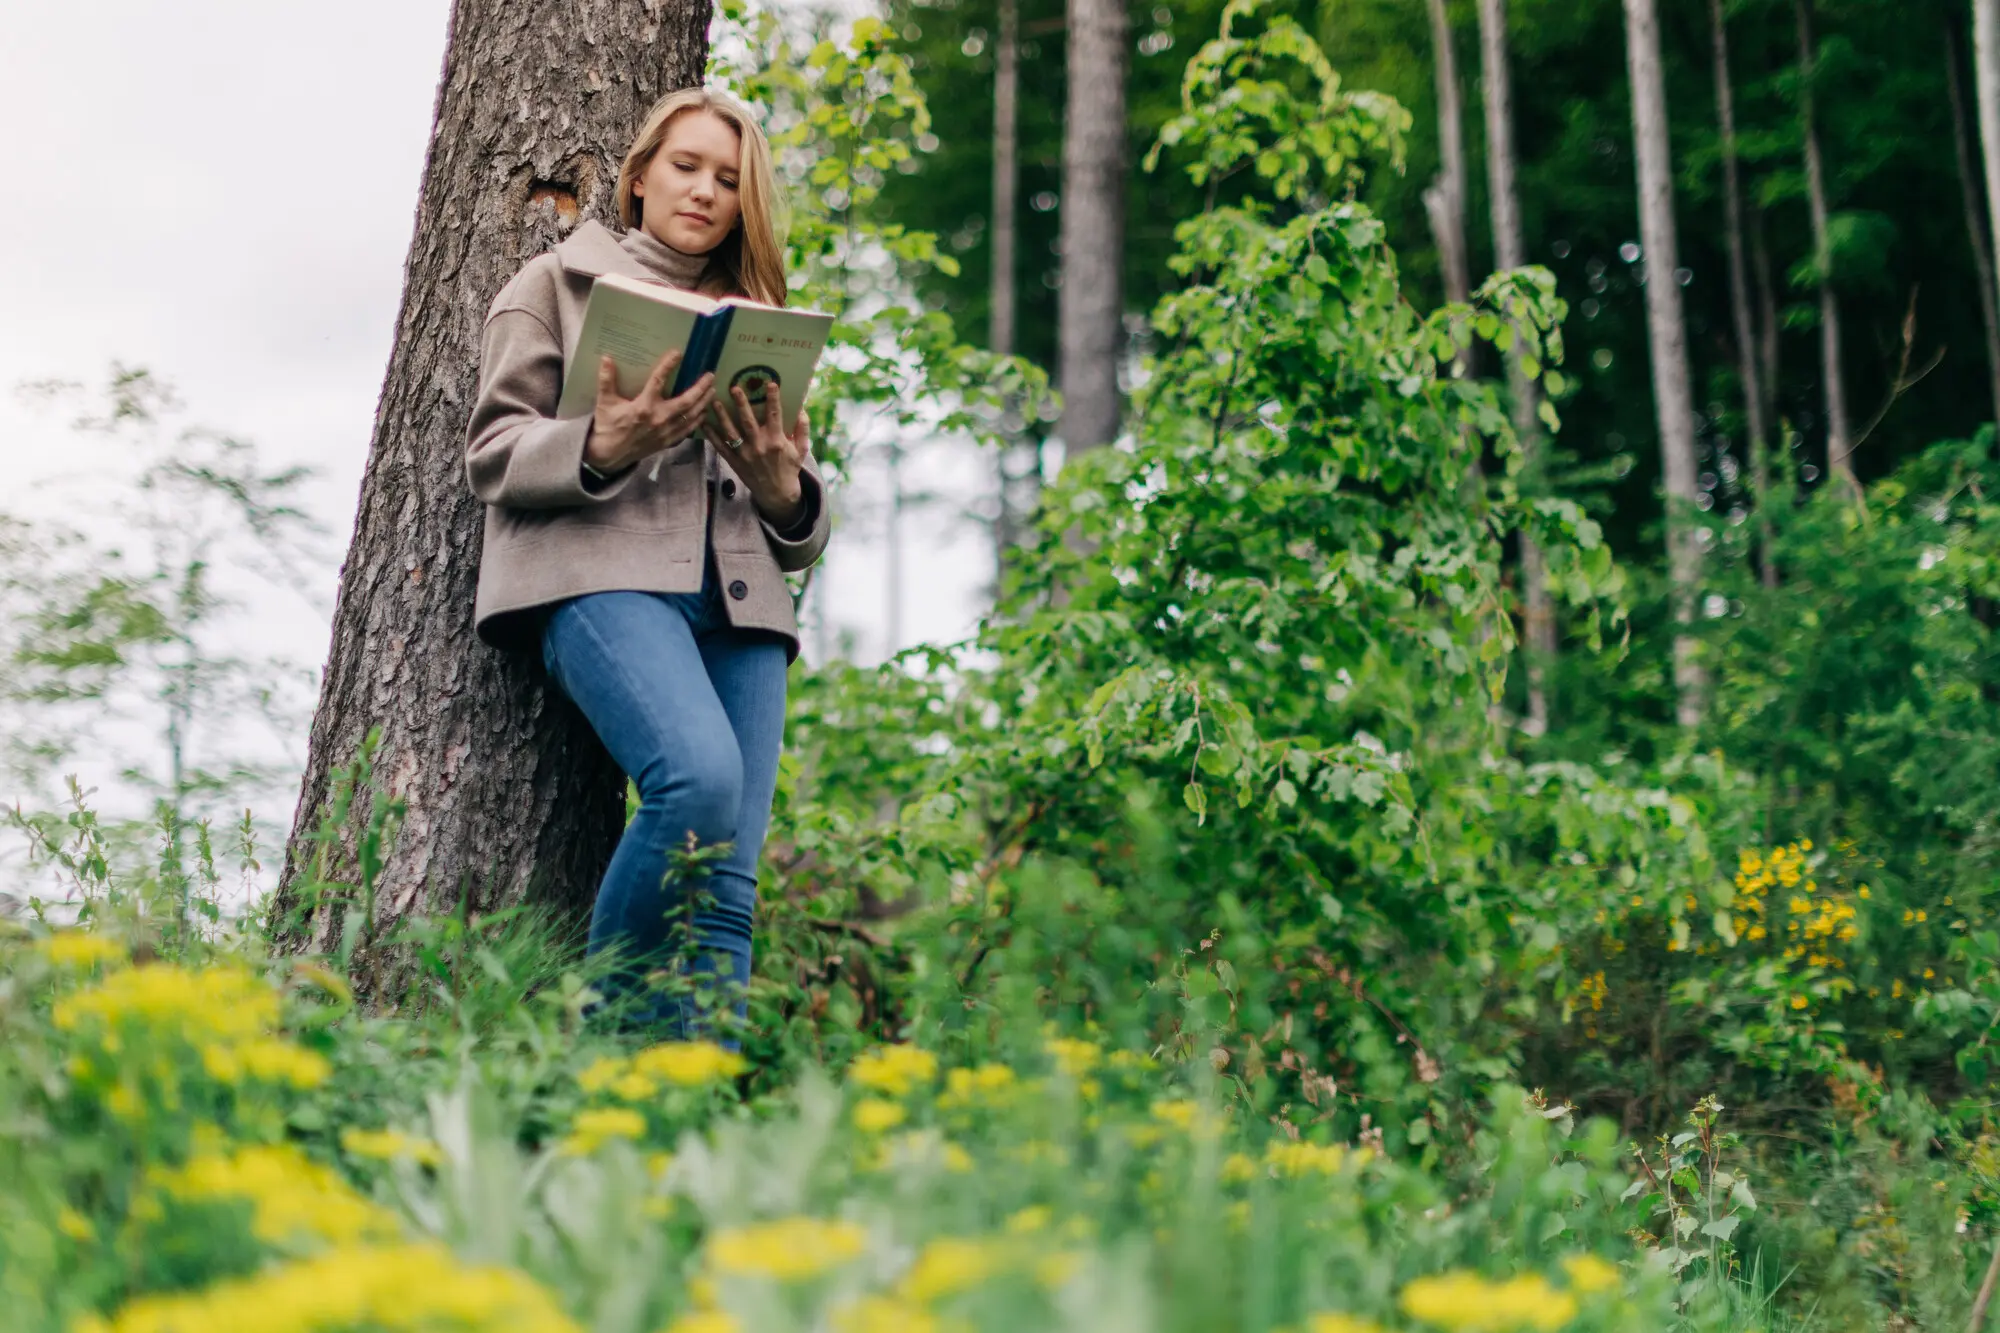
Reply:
x=694, y=712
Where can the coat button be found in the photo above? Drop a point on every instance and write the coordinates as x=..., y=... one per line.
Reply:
x=739, y=589
x=728, y=488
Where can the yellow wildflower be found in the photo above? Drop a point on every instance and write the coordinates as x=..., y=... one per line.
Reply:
x=79, y=951
x=874, y=1115
x=1299, y=1159
x=947, y=1266
x=1237, y=1168
x=962, y=1087
x=225, y=1003
x=893, y=1069
x=1588, y=1274
x=291, y=1197
x=407, y=1287
x=788, y=1250
x=1468, y=1303
x=1029, y=1220
x=1074, y=1057
x=388, y=1145
x=633, y=1086
x=690, y=1064
x=266, y=1060
x=593, y=1129
x=1798, y=1002
x=602, y=1072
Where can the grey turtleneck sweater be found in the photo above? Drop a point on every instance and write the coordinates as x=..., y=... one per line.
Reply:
x=677, y=268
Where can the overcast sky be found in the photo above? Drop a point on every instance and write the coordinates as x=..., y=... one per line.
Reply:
x=222, y=191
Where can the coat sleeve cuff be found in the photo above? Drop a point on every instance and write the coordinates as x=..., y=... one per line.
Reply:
x=544, y=467
x=801, y=543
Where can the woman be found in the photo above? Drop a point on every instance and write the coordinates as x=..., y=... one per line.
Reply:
x=642, y=549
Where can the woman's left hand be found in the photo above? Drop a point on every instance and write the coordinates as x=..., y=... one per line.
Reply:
x=763, y=453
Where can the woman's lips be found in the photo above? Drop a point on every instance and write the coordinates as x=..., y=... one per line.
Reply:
x=695, y=217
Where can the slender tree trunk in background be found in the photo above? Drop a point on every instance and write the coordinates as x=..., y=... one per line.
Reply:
x=508, y=793
x=1969, y=192
x=1758, y=425
x=1000, y=288
x=1444, y=199
x=1673, y=399
x=1986, y=83
x=1091, y=321
x=1839, y=429
x=1767, y=326
x=1510, y=251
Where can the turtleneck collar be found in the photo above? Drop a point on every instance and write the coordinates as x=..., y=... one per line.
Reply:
x=675, y=267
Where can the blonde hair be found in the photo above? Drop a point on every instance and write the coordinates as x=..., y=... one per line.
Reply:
x=750, y=261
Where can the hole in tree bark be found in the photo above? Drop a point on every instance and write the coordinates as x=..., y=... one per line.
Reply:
x=559, y=198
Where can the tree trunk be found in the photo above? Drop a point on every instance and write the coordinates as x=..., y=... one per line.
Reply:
x=1986, y=83
x=1091, y=323
x=1444, y=199
x=1758, y=425
x=1000, y=284
x=1510, y=251
x=1839, y=430
x=508, y=795
x=1975, y=223
x=1673, y=399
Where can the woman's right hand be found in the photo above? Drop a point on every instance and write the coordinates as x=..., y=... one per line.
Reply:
x=625, y=430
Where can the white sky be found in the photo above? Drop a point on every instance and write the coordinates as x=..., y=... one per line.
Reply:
x=222, y=191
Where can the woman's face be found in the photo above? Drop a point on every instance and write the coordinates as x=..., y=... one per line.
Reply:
x=689, y=187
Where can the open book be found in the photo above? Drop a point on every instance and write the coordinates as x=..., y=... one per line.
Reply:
x=746, y=343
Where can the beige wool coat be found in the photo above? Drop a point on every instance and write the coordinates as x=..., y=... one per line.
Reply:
x=552, y=532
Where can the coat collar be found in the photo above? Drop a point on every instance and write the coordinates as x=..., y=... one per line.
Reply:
x=592, y=250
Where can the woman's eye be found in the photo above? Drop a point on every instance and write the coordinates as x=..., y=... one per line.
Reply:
x=729, y=185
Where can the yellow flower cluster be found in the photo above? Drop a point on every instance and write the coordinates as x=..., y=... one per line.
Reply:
x=1073, y=1057
x=895, y=1070
x=1814, y=923
x=1333, y=1321
x=875, y=1115
x=642, y=1077
x=144, y=1020
x=981, y=1083
x=391, y=1289
x=1304, y=1159
x=791, y=1249
x=80, y=951
x=1467, y=1303
x=389, y=1145
x=593, y=1129
x=293, y=1200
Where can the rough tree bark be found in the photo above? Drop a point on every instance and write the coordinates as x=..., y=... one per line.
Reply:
x=1757, y=423
x=1444, y=198
x=1673, y=398
x=1510, y=251
x=1969, y=197
x=1091, y=321
x=1839, y=426
x=508, y=794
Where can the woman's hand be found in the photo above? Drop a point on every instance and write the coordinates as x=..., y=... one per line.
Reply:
x=625, y=430
x=763, y=453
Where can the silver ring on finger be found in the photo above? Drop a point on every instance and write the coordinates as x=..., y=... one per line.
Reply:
x=734, y=444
